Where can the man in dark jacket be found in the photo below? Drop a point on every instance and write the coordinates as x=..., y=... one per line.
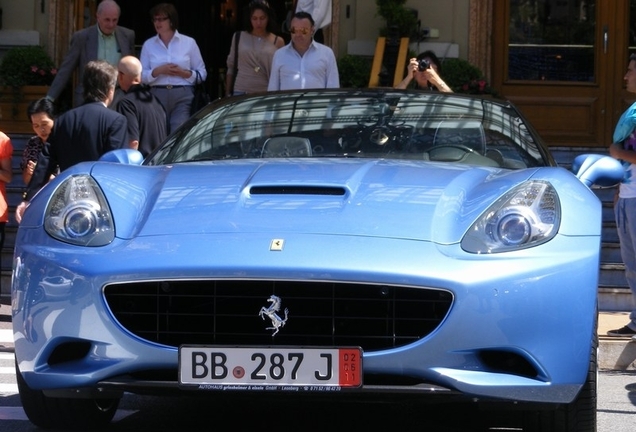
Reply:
x=103, y=41
x=147, y=121
x=84, y=133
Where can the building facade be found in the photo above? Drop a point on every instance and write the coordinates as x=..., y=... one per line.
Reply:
x=561, y=62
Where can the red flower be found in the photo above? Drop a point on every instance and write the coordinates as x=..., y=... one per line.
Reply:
x=41, y=76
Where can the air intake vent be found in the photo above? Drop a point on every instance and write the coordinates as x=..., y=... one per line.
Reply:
x=297, y=190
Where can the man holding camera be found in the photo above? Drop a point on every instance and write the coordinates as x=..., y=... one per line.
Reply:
x=425, y=69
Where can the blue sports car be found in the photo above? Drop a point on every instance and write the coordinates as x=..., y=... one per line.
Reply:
x=326, y=243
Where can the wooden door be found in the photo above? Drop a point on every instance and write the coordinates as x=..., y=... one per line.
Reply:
x=562, y=63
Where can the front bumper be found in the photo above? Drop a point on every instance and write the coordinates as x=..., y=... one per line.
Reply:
x=534, y=308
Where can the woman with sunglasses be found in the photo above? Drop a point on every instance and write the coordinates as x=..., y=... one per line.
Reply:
x=303, y=63
x=249, y=64
x=170, y=62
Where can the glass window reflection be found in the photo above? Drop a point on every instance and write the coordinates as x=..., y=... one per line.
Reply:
x=552, y=40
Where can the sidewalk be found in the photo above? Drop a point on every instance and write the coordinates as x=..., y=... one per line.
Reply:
x=6, y=334
x=613, y=354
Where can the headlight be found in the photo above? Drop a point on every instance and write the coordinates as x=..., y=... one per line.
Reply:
x=79, y=214
x=526, y=216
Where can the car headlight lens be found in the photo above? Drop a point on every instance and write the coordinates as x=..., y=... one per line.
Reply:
x=79, y=214
x=526, y=216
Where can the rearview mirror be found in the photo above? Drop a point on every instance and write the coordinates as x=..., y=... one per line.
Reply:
x=596, y=169
x=123, y=156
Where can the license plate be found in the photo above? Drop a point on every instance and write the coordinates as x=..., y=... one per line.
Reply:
x=258, y=368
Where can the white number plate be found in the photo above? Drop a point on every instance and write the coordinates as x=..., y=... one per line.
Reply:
x=258, y=368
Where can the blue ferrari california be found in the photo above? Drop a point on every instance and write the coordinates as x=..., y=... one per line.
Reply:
x=334, y=242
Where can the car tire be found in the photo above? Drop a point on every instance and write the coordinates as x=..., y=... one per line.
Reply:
x=54, y=413
x=577, y=416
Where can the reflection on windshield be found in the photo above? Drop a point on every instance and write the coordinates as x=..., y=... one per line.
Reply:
x=362, y=124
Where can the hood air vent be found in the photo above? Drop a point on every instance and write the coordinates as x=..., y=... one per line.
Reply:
x=297, y=190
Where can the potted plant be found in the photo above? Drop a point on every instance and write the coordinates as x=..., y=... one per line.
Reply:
x=26, y=72
x=354, y=70
x=398, y=17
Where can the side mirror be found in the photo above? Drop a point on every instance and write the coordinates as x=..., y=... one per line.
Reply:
x=596, y=169
x=123, y=156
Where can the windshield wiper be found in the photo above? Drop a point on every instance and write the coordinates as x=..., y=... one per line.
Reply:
x=213, y=158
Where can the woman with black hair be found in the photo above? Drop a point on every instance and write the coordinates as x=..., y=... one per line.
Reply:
x=250, y=60
x=41, y=113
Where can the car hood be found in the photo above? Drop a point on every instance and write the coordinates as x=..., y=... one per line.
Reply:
x=359, y=197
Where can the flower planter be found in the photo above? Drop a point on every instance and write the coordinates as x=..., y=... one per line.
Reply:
x=13, y=108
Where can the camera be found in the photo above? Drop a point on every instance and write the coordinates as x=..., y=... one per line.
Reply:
x=423, y=64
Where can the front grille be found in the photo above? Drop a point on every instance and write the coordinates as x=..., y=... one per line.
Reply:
x=374, y=317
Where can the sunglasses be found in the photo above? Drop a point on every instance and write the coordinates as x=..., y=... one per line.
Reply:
x=302, y=30
x=159, y=19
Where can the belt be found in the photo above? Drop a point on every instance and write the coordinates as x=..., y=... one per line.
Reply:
x=170, y=86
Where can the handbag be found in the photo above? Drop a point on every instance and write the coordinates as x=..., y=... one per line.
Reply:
x=237, y=37
x=201, y=96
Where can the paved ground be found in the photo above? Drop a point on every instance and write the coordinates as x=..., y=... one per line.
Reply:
x=6, y=336
x=615, y=353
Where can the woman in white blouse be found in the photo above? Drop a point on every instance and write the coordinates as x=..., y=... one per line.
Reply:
x=170, y=61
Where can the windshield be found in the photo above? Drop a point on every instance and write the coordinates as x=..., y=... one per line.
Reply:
x=363, y=124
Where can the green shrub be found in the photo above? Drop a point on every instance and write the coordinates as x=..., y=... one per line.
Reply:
x=26, y=65
x=354, y=71
x=397, y=17
x=464, y=77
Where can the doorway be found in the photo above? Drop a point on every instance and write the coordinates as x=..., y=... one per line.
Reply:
x=210, y=22
x=562, y=63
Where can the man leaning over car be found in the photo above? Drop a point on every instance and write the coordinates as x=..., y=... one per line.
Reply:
x=82, y=134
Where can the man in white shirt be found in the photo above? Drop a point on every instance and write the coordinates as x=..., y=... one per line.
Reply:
x=320, y=10
x=303, y=63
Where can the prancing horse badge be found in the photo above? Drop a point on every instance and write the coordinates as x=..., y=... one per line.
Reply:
x=271, y=312
x=276, y=245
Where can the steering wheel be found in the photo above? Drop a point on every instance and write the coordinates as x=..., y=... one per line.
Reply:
x=371, y=120
x=443, y=152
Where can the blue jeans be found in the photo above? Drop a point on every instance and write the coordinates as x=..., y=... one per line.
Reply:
x=625, y=213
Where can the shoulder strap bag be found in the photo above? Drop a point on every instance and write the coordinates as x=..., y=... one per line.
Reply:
x=201, y=96
x=237, y=37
